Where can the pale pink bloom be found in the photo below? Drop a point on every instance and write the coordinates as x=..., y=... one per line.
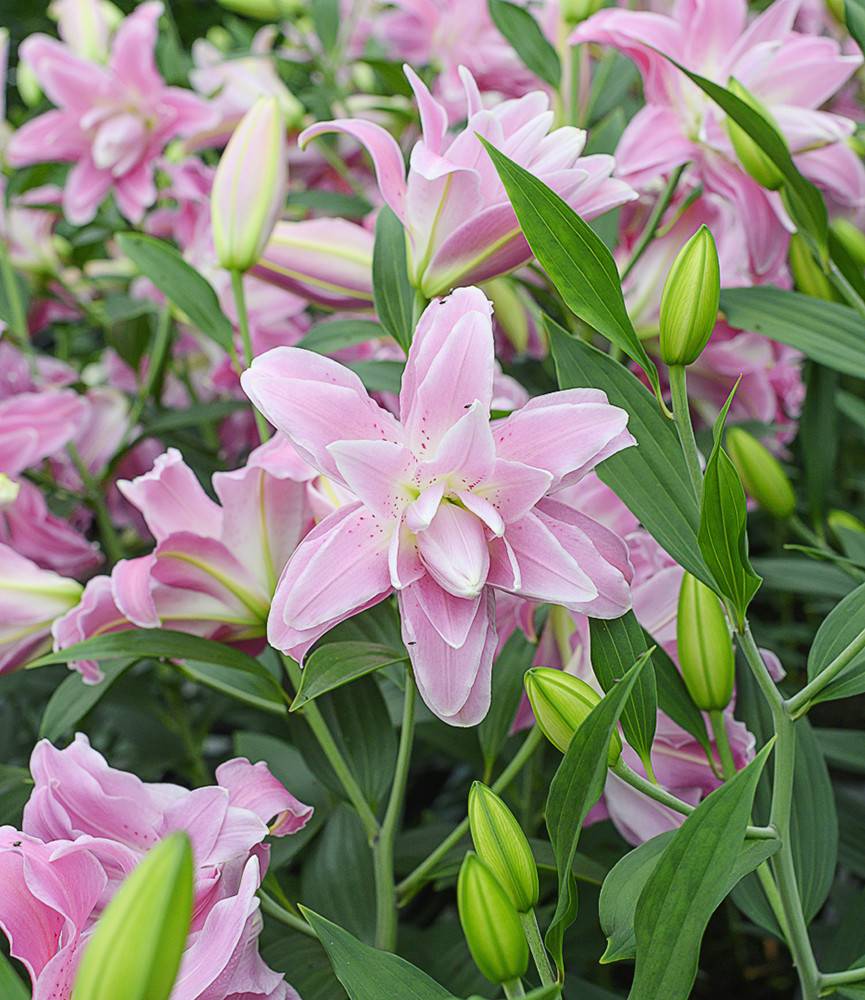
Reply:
x=449, y=34
x=86, y=827
x=20, y=373
x=460, y=225
x=327, y=261
x=27, y=226
x=111, y=122
x=34, y=425
x=215, y=566
x=793, y=75
x=233, y=84
x=31, y=599
x=448, y=507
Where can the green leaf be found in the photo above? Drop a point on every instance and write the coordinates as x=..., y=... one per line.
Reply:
x=818, y=437
x=805, y=201
x=181, y=284
x=212, y=663
x=576, y=787
x=16, y=785
x=688, y=883
x=843, y=748
x=369, y=974
x=623, y=886
x=11, y=985
x=795, y=575
x=840, y=627
x=379, y=376
x=333, y=203
x=723, y=534
x=326, y=19
x=854, y=14
x=507, y=691
x=651, y=479
x=335, y=334
x=826, y=332
x=616, y=645
x=580, y=266
x=339, y=663
x=392, y=294
x=528, y=41
x=73, y=699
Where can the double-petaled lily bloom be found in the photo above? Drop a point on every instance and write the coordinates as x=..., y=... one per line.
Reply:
x=112, y=122
x=460, y=225
x=215, y=566
x=87, y=826
x=792, y=75
x=447, y=505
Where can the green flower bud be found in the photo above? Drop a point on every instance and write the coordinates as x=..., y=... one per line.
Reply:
x=761, y=473
x=689, y=303
x=28, y=85
x=490, y=923
x=263, y=10
x=503, y=847
x=839, y=520
x=751, y=156
x=510, y=312
x=575, y=11
x=561, y=703
x=9, y=490
x=136, y=948
x=807, y=273
x=705, y=647
x=852, y=238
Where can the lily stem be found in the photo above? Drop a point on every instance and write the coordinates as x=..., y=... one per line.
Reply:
x=246, y=337
x=682, y=417
x=536, y=947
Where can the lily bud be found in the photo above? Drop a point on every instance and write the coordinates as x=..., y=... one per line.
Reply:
x=136, y=948
x=841, y=520
x=263, y=10
x=503, y=847
x=28, y=85
x=249, y=186
x=510, y=312
x=761, y=473
x=561, y=703
x=807, y=273
x=690, y=300
x=490, y=923
x=575, y=11
x=751, y=156
x=9, y=490
x=852, y=238
x=705, y=647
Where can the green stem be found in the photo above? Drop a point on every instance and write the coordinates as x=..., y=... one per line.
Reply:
x=246, y=337
x=383, y=846
x=273, y=909
x=648, y=234
x=845, y=978
x=513, y=989
x=18, y=327
x=412, y=883
x=315, y=720
x=110, y=539
x=418, y=305
x=659, y=794
x=795, y=927
x=719, y=730
x=158, y=349
x=800, y=701
x=536, y=947
x=682, y=416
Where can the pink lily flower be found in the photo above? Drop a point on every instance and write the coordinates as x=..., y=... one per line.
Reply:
x=460, y=225
x=447, y=506
x=111, y=122
x=791, y=74
x=34, y=425
x=86, y=827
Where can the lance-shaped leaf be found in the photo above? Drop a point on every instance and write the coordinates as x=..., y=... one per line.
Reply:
x=528, y=41
x=805, y=201
x=11, y=985
x=180, y=283
x=616, y=645
x=370, y=974
x=576, y=787
x=854, y=15
x=338, y=663
x=392, y=293
x=652, y=479
x=623, y=886
x=826, y=332
x=843, y=626
x=73, y=699
x=574, y=256
x=687, y=885
x=723, y=534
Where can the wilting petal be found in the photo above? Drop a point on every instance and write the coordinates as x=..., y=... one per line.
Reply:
x=253, y=787
x=454, y=550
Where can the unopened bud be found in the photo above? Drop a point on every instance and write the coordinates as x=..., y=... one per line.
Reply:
x=490, y=923
x=761, y=473
x=28, y=84
x=841, y=520
x=751, y=156
x=510, y=312
x=503, y=847
x=249, y=186
x=9, y=490
x=561, y=703
x=136, y=947
x=575, y=11
x=851, y=237
x=263, y=10
x=689, y=303
x=807, y=273
x=705, y=647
